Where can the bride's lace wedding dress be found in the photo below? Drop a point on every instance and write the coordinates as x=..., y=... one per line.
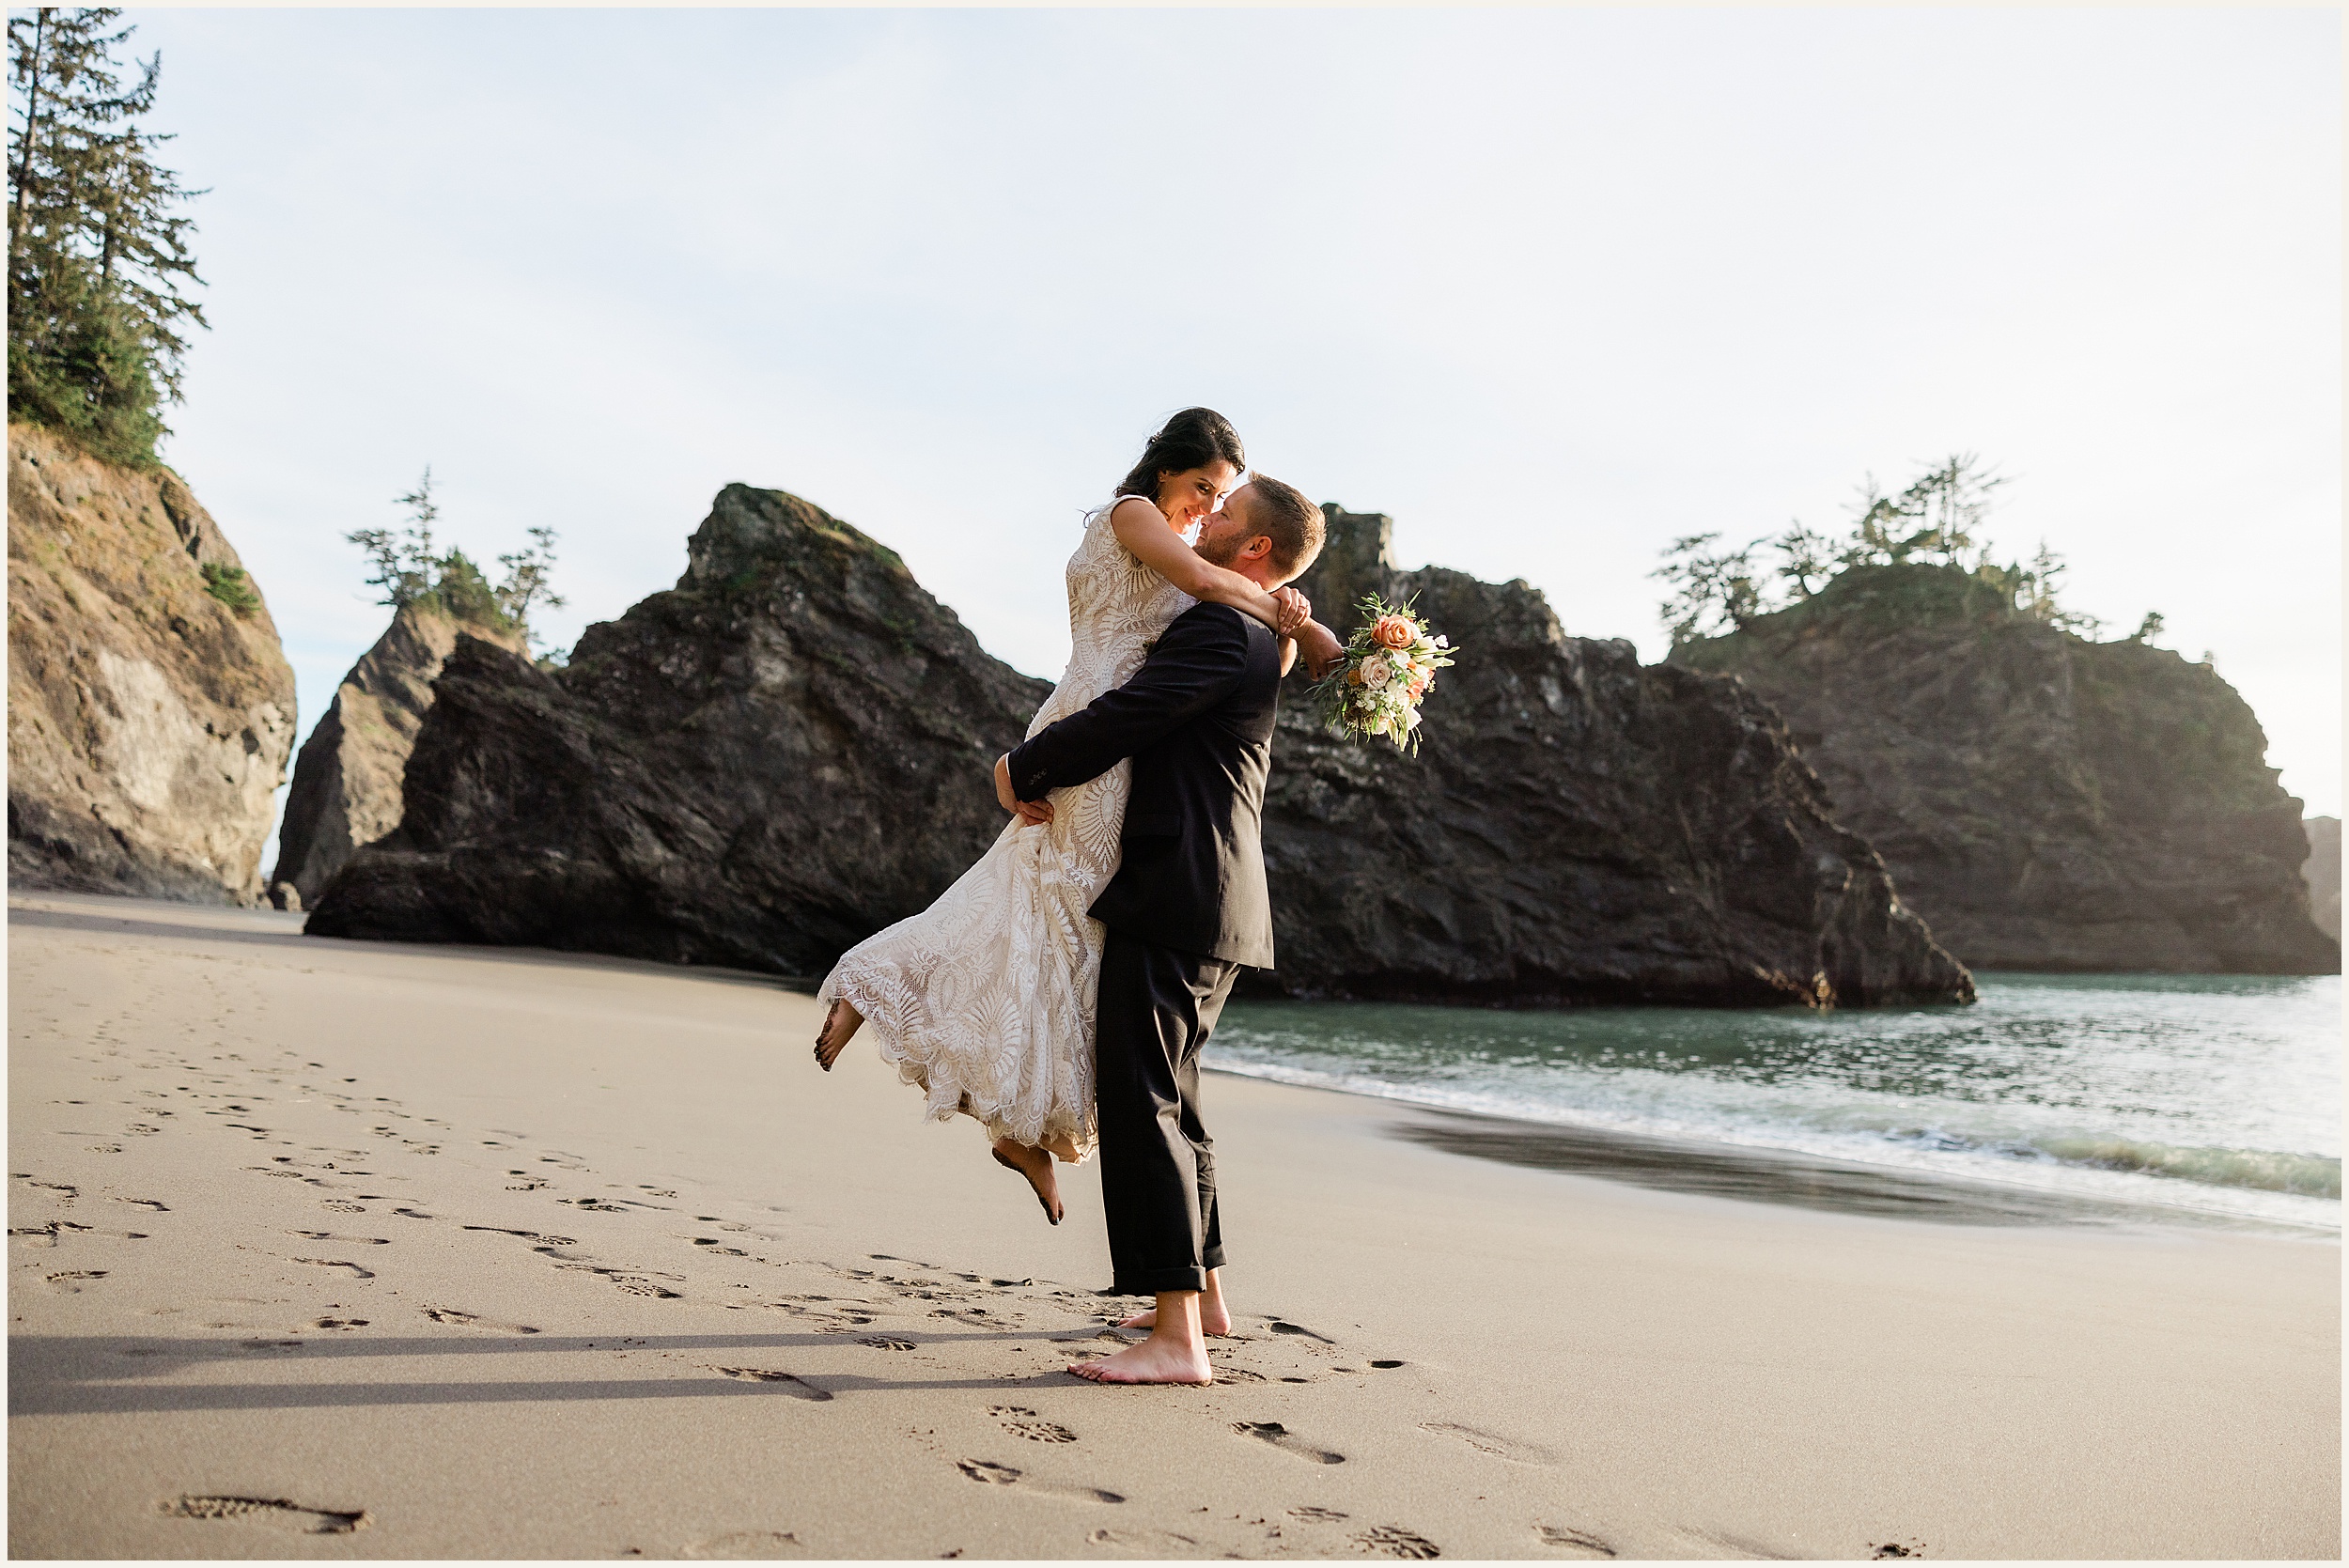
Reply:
x=985, y=998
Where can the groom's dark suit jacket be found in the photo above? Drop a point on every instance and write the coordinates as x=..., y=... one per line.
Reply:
x=1197, y=720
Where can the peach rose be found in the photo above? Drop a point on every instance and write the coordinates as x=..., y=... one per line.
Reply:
x=1418, y=687
x=1394, y=632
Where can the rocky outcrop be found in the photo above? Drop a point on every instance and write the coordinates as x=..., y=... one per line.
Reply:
x=150, y=706
x=2046, y=802
x=790, y=750
x=346, y=778
x=2322, y=872
x=1575, y=828
x=758, y=768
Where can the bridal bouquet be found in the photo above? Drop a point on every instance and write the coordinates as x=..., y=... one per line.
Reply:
x=1389, y=662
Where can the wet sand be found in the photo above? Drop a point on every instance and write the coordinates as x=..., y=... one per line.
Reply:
x=331, y=1249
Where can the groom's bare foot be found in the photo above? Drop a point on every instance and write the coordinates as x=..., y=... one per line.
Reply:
x=840, y=1026
x=1037, y=1165
x=1154, y=1360
x=1218, y=1324
x=1214, y=1316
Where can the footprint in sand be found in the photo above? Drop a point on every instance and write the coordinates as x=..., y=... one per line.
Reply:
x=1394, y=1540
x=1721, y=1541
x=1138, y=1539
x=356, y=1272
x=270, y=1510
x=1020, y=1422
x=527, y=1235
x=746, y=1544
x=781, y=1381
x=1278, y=1327
x=1492, y=1443
x=883, y=1343
x=70, y=1281
x=1566, y=1538
x=1911, y=1547
x=1286, y=1442
x=345, y=1240
x=456, y=1319
x=1003, y=1475
x=1317, y=1515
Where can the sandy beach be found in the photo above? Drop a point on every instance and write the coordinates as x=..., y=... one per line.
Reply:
x=334, y=1248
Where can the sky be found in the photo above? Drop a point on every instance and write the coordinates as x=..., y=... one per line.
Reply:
x=1551, y=288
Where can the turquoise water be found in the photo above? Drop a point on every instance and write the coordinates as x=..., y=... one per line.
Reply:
x=2215, y=1092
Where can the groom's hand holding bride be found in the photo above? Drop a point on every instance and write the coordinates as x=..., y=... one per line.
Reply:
x=1032, y=814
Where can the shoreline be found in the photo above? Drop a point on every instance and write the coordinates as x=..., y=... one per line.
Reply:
x=1762, y=1173
x=340, y=1248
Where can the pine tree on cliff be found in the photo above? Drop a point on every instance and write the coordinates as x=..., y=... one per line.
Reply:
x=409, y=569
x=97, y=254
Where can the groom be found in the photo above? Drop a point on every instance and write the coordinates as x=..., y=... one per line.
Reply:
x=1186, y=911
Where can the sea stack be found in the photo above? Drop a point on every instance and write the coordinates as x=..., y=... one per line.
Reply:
x=758, y=767
x=792, y=749
x=346, y=778
x=150, y=706
x=2046, y=802
x=1575, y=828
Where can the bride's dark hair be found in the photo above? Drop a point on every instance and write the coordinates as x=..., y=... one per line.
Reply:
x=1192, y=438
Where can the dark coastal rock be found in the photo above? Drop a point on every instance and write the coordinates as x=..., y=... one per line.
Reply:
x=2046, y=802
x=2322, y=872
x=790, y=750
x=1576, y=828
x=150, y=706
x=758, y=768
x=347, y=778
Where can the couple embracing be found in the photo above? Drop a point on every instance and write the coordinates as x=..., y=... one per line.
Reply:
x=1060, y=991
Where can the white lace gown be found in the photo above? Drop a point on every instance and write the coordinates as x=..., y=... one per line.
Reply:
x=985, y=999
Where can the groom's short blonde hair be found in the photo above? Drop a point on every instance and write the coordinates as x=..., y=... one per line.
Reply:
x=1293, y=523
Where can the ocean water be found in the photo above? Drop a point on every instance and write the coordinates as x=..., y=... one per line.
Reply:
x=2219, y=1094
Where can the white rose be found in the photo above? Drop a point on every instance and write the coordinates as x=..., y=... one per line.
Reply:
x=1376, y=672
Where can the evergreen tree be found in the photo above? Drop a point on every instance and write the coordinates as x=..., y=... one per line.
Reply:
x=402, y=563
x=1715, y=590
x=407, y=567
x=1804, y=555
x=1712, y=591
x=526, y=573
x=98, y=252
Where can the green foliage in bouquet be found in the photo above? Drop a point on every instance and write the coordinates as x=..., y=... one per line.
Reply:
x=1389, y=662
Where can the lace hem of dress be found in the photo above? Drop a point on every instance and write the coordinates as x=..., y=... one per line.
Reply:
x=1068, y=1137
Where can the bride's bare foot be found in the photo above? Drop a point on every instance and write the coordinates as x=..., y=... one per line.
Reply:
x=1214, y=1316
x=840, y=1026
x=1036, y=1166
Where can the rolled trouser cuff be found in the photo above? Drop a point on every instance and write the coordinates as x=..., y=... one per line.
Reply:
x=1152, y=1281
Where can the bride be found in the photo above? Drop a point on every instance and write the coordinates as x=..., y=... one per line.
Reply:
x=985, y=999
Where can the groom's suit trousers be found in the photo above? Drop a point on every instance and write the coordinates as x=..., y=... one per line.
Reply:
x=1156, y=1009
